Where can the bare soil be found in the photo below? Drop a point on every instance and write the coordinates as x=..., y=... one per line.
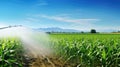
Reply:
x=45, y=61
x=32, y=59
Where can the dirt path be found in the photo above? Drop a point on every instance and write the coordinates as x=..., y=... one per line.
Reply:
x=45, y=62
x=32, y=59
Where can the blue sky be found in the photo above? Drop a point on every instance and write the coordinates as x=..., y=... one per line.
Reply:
x=83, y=15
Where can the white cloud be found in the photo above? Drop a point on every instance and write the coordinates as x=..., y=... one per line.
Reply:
x=71, y=20
x=78, y=24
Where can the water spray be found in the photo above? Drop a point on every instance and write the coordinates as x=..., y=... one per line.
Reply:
x=33, y=41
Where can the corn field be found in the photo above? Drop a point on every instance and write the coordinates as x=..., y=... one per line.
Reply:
x=88, y=50
x=75, y=50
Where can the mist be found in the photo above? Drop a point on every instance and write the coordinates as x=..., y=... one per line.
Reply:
x=34, y=42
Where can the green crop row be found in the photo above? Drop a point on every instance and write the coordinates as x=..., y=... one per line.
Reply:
x=91, y=50
x=11, y=52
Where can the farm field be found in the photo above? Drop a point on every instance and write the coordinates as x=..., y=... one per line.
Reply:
x=59, y=33
x=70, y=50
x=88, y=50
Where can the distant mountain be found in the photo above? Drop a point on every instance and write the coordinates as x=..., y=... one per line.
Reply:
x=57, y=29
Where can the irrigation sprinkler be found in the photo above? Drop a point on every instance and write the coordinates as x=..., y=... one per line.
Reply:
x=10, y=27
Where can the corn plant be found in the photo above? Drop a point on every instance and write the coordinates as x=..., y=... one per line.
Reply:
x=11, y=52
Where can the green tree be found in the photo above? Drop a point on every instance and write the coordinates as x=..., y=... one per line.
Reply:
x=93, y=31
